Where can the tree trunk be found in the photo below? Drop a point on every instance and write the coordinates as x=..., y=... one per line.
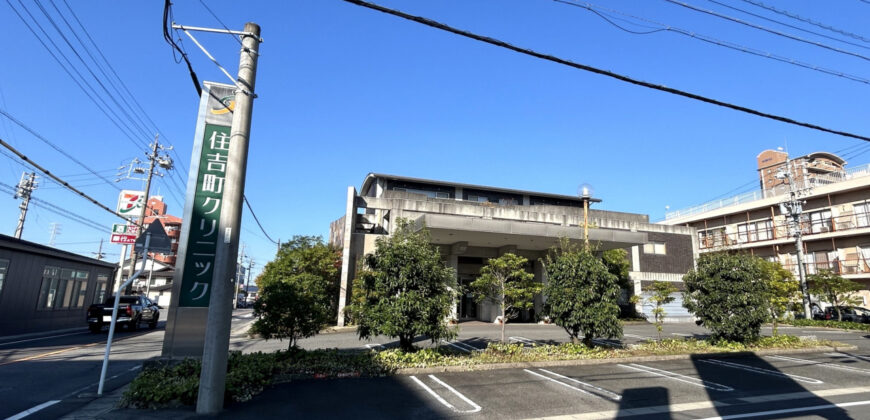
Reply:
x=587, y=340
x=503, y=321
x=405, y=343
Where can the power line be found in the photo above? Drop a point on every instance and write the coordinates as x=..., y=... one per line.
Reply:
x=788, y=25
x=56, y=147
x=714, y=41
x=502, y=44
x=219, y=20
x=62, y=182
x=258, y=220
x=768, y=30
x=807, y=20
x=58, y=210
x=167, y=12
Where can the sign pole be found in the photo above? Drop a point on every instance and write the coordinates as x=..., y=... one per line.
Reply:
x=212, y=380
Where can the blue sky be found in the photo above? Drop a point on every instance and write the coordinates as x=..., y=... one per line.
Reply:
x=345, y=90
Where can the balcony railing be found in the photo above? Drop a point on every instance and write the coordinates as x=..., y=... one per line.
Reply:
x=780, y=230
x=856, y=265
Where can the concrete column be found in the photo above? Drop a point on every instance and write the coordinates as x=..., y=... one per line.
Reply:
x=344, y=291
x=453, y=262
x=541, y=277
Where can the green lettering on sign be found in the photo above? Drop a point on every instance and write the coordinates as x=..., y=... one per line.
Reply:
x=202, y=242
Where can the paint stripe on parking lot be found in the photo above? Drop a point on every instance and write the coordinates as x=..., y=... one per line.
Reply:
x=849, y=356
x=461, y=346
x=373, y=346
x=474, y=407
x=573, y=388
x=678, y=377
x=790, y=410
x=32, y=410
x=822, y=364
x=761, y=371
x=608, y=394
x=523, y=340
x=640, y=337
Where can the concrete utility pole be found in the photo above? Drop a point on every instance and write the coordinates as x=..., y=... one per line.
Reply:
x=99, y=254
x=165, y=162
x=793, y=208
x=25, y=188
x=238, y=280
x=212, y=381
x=55, y=229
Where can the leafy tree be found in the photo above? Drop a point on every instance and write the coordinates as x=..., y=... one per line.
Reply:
x=407, y=289
x=505, y=281
x=729, y=294
x=660, y=296
x=783, y=291
x=833, y=288
x=581, y=294
x=297, y=290
x=617, y=264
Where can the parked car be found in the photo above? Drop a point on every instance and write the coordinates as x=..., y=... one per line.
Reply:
x=849, y=313
x=132, y=311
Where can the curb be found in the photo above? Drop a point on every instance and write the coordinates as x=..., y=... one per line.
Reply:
x=336, y=330
x=634, y=359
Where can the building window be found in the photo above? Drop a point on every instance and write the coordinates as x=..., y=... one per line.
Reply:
x=442, y=195
x=755, y=231
x=712, y=238
x=862, y=215
x=477, y=198
x=101, y=286
x=81, y=289
x=820, y=221
x=48, y=290
x=4, y=268
x=656, y=248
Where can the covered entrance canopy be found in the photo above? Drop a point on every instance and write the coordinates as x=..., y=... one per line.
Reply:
x=491, y=233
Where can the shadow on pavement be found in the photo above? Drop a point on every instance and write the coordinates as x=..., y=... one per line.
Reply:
x=634, y=401
x=758, y=383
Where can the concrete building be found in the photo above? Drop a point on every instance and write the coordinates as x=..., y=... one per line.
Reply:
x=471, y=223
x=835, y=220
x=43, y=288
x=156, y=210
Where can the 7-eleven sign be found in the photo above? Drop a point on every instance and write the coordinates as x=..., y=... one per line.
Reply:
x=130, y=203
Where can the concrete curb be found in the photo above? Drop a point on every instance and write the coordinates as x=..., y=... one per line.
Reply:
x=634, y=359
x=336, y=330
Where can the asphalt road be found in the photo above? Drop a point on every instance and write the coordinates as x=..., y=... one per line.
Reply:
x=60, y=372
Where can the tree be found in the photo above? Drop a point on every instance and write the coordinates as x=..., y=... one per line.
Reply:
x=783, y=291
x=297, y=290
x=660, y=295
x=407, y=289
x=505, y=281
x=729, y=295
x=617, y=264
x=581, y=294
x=835, y=289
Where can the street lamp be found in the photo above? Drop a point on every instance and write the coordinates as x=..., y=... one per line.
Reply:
x=584, y=191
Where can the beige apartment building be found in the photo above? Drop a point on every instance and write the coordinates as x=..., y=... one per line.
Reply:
x=835, y=222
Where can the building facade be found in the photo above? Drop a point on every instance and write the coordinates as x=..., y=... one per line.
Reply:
x=43, y=288
x=835, y=221
x=472, y=223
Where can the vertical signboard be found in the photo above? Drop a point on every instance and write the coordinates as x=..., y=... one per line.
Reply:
x=130, y=203
x=192, y=284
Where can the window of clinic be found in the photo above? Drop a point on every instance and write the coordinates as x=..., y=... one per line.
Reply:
x=4, y=268
x=62, y=288
x=656, y=248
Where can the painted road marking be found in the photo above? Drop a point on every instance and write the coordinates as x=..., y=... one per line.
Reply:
x=678, y=377
x=461, y=346
x=372, y=346
x=822, y=364
x=32, y=410
x=573, y=388
x=849, y=356
x=609, y=394
x=475, y=407
x=43, y=338
x=51, y=353
x=523, y=340
x=790, y=410
x=761, y=371
x=641, y=337
x=701, y=405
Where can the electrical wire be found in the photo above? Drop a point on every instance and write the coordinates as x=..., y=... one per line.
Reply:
x=788, y=25
x=258, y=220
x=714, y=41
x=617, y=76
x=58, y=210
x=219, y=21
x=768, y=30
x=806, y=20
x=167, y=10
x=56, y=147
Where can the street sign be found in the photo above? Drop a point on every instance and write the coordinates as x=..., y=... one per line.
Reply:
x=123, y=238
x=130, y=203
x=125, y=229
x=160, y=241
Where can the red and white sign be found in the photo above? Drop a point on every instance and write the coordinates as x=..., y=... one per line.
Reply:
x=121, y=238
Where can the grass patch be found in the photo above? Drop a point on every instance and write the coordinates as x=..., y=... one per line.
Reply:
x=249, y=374
x=828, y=323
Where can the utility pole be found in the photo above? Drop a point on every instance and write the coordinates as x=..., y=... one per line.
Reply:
x=212, y=381
x=55, y=229
x=165, y=162
x=25, y=188
x=238, y=277
x=793, y=208
x=99, y=254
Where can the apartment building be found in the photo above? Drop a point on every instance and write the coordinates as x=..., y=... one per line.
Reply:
x=472, y=223
x=835, y=221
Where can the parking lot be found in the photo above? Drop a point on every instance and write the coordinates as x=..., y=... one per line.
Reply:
x=821, y=384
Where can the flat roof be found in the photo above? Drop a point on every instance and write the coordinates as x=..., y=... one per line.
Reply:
x=35, y=248
x=372, y=176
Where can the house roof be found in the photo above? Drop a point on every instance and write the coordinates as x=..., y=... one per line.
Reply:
x=15, y=244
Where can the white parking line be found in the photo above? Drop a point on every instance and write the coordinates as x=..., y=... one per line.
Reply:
x=761, y=371
x=475, y=407
x=790, y=410
x=822, y=364
x=849, y=356
x=611, y=395
x=641, y=337
x=372, y=346
x=32, y=410
x=678, y=377
x=461, y=346
x=574, y=388
x=523, y=340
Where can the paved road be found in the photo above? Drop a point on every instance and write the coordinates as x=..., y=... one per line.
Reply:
x=63, y=370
